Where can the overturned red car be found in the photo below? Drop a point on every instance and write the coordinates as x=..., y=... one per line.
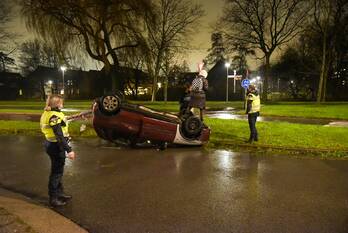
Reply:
x=115, y=119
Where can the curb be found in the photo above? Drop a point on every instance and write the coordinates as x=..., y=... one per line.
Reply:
x=39, y=218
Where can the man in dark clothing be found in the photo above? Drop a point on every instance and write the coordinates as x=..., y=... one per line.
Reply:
x=185, y=100
x=253, y=111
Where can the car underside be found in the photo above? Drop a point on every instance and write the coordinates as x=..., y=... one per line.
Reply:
x=115, y=119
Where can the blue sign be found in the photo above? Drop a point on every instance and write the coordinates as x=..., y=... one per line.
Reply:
x=245, y=83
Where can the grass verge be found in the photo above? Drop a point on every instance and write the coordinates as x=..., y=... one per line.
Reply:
x=332, y=110
x=293, y=138
x=274, y=136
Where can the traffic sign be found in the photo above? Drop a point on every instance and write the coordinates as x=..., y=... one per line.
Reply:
x=245, y=83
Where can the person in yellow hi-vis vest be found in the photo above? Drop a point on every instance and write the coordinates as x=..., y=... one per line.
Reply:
x=54, y=126
x=253, y=111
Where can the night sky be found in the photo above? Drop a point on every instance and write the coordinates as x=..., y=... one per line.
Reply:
x=201, y=40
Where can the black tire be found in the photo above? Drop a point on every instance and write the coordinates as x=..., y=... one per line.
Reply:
x=110, y=104
x=192, y=126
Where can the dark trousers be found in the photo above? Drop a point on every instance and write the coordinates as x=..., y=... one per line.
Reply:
x=252, y=118
x=57, y=157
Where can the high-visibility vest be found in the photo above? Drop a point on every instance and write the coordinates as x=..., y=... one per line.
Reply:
x=46, y=125
x=255, y=104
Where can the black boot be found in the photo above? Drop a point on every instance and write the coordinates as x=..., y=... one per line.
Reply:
x=55, y=202
x=251, y=140
x=64, y=197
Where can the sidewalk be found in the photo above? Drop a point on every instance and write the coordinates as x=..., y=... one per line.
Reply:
x=19, y=214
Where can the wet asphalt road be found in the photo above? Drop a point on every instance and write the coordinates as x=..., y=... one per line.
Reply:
x=184, y=189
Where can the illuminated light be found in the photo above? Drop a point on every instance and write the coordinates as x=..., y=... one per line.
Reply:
x=225, y=159
x=227, y=64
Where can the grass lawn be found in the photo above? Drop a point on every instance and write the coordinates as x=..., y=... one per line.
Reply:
x=233, y=134
x=33, y=128
x=307, y=110
x=280, y=135
x=332, y=110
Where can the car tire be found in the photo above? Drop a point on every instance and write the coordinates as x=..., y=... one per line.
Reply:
x=110, y=104
x=192, y=126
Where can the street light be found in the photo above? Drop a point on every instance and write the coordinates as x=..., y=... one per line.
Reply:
x=227, y=65
x=63, y=69
x=234, y=81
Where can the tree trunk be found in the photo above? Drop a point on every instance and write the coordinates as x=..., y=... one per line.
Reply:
x=42, y=90
x=154, y=89
x=156, y=74
x=136, y=84
x=165, y=90
x=323, y=72
x=267, y=77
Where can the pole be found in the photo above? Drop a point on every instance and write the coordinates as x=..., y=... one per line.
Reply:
x=63, y=83
x=234, y=81
x=226, y=84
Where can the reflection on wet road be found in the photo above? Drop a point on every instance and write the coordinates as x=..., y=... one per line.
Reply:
x=184, y=189
x=296, y=120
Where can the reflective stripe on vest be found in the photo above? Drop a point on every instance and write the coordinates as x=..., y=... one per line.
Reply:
x=46, y=126
x=255, y=104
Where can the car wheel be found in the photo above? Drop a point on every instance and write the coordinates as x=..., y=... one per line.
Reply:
x=110, y=104
x=192, y=126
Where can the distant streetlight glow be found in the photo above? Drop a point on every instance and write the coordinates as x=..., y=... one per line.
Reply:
x=159, y=85
x=258, y=77
x=50, y=82
x=63, y=69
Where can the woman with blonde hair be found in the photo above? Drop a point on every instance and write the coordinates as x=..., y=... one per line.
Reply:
x=54, y=126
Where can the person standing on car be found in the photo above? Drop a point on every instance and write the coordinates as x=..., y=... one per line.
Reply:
x=54, y=126
x=198, y=88
x=253, y=111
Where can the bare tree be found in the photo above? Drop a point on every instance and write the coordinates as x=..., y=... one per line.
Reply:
x=102, y=26
x=39, y=52
x=35, y=53
x=329, y=21
x=6, y=36
x=263, y=24
x=133, y=58
x=176, y=20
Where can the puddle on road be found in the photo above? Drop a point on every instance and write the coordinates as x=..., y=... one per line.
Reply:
x=231, y=115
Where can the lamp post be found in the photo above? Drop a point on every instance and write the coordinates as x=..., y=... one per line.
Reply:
x=227, y=65
x=234, y=81
x=63, y=69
